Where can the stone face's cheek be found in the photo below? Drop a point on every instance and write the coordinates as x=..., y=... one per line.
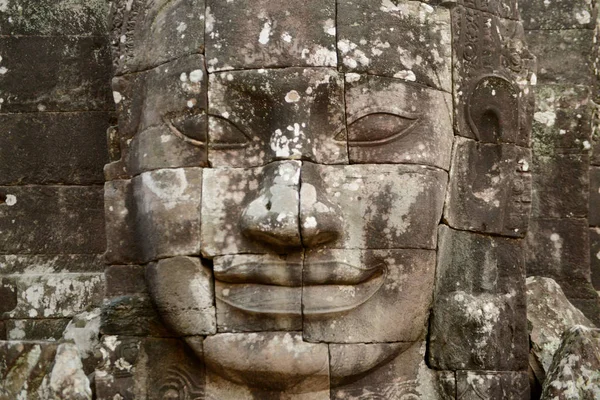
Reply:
x=259, y=116
x=380, y=206
x=263, y=33
x=387, y=302
x=167, y=205
x=390, y=121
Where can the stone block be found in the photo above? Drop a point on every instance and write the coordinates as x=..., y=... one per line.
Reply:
x=549, y=314
x=133, y=315
x=560, y=186
x=479, y=315
x=258, y=34
x=51, y=220
x=258, y=292
x=24, y=368
x=50, y=264
x=162, y=116
x=575, y=370
x=8, y=295
x=562, y=121
x=54, y=18
x=560, y=249
x=560, y=14
x=149, y=368
x=122, y=243
x=564, y=55
x=595, y=257
x=278, y=365
x=594, y=203
x=167, y=203
x=476, y=385
x=490, y=188
x=146, y=34
x=55, y=295
x=54, y=74
x=502, y=8
x=388, y=39
x=30, y=154
x=390, y=121
x=309, y=122
x=493, y=77
x=125, y=279
x=36, y=329
x=183, y=291
x=402, y=374
x=354, y=296
x=373, y=206
x=239, y=215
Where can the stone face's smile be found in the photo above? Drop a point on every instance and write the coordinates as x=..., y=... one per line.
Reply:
x=256, y=288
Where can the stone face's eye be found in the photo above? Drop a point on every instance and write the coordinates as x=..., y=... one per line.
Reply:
x=378, y=128
x=189, y=127
x=225, y=135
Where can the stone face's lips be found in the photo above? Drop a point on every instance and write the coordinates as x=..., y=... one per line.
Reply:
x=275, y=288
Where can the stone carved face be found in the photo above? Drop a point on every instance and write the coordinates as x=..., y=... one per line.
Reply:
x=284, y=182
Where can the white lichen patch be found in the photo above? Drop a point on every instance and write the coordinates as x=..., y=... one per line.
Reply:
x=117, y=97
x=10, y=200
x=547, y=118
x=292, y=97
x=265, y=33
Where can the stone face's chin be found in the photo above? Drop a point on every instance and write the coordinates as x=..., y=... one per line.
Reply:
x=282, y=361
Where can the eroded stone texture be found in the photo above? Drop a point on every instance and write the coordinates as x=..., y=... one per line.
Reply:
x=23, y=368
x=490, y=188
x=270, y=365
x=30, y=154
x=595, y=257
x=402, y=374
x=54, y=295
x=560, y=186
x=259, y=34
x=50, y=263
x=354, y=296
x=35, y=329
x=295, y=113
x=550, y=314
x=594, y=203
x=479, y=315
x=258, y=292
x=132, y=314
x=390, y=121
x=558, y=14
x=51, y=210
x=182, y=290
x=67, y=380
x=70, y=74
x=168, y=212
x=146, y=34
x=54, y=18
x=493, y=75
x=402, y=39
x=575, y=370
x=490, y=385
x=565, y=55
x=149, y=368
x=559, y=249
x=562, y=121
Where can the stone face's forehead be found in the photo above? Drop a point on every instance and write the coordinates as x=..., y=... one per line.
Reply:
x=258, y=116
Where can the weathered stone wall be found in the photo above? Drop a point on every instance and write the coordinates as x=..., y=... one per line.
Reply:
x=55, y=108
x=561, y=34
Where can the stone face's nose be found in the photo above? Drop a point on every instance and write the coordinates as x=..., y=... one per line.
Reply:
x=287, y=213
x=273, y=216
